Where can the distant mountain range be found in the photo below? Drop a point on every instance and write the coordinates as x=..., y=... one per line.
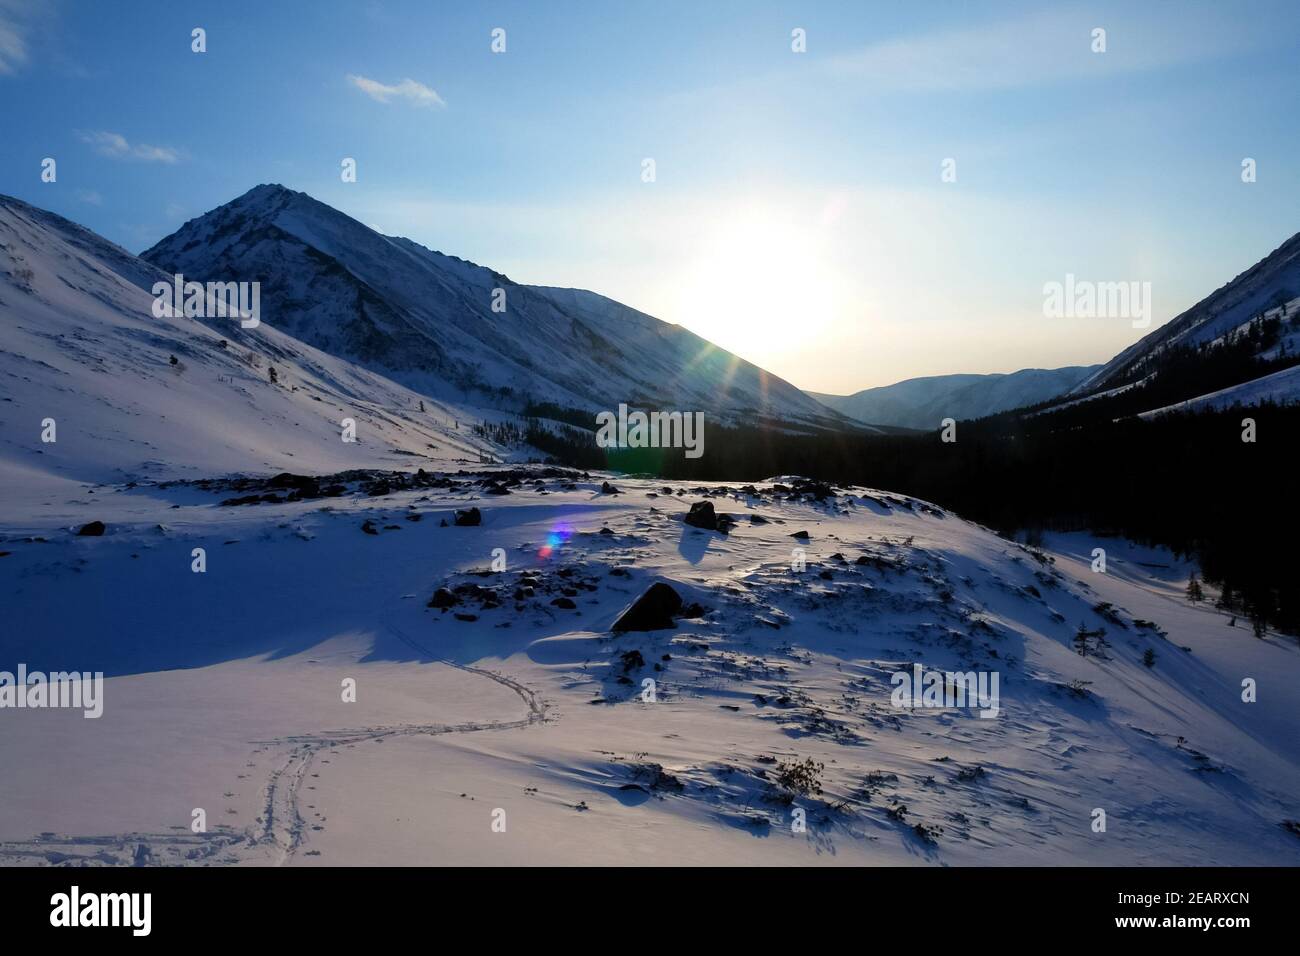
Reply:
x=402, y=341
x=414, y=345
x=924, y=402
x=1240, y=345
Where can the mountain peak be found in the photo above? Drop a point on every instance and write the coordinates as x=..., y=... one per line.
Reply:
x=451, y=328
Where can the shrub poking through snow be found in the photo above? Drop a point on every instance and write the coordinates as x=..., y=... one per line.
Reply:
x=1079, y=688
x=1108, y=612
x=800, y=777
x=927, y=834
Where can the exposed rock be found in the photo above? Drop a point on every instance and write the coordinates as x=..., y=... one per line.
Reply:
x=702, y=515
x=469, y=517
x=652, y=611
x=442, y=598
x=305, y=485
x=816, y=489
x=92, y=530
x=247, y=500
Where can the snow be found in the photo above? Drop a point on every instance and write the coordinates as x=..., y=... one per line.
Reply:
x=428, y=320
x=227, y=690
x=79, y=344
x=1282, y=387
x=223, y=688
x=1255, y=292
x=925, y=402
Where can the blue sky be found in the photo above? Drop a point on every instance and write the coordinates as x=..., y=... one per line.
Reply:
x=797, y=215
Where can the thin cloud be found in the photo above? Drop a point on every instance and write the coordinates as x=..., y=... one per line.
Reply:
x=1042, y=47
x=116, y=146
x=408, y=89
x=13, y=39
x=90, y=197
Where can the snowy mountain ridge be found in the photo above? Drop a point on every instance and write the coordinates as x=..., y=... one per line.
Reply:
x=456, y=330
x=924, y=402
x=1268, y=290
x=131, y=394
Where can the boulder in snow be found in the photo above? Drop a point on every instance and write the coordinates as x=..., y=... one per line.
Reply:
x=652, y=611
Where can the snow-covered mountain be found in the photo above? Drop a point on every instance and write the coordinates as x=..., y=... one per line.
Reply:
x=925, y=402
x=131, y=394
x=1258, y=310
x=758, y=724
x=457, y=330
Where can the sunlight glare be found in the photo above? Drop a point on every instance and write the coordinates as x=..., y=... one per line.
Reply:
x=755, y=281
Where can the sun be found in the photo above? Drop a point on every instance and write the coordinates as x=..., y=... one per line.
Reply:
x=755, y=281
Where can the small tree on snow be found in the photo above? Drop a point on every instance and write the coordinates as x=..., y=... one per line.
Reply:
x=1194, y=592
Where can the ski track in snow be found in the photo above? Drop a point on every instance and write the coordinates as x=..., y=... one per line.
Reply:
x=283, y=824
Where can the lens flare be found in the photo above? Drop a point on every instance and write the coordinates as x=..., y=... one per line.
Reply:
x=555, y=539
